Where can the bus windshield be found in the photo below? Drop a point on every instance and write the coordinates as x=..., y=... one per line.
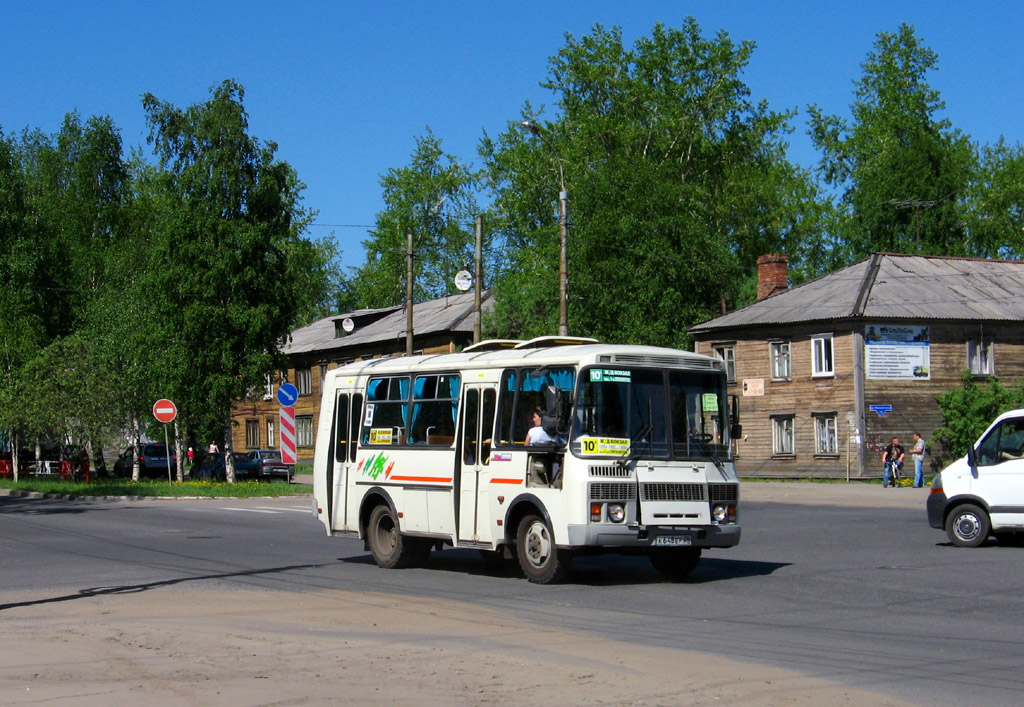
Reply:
x=651, y=413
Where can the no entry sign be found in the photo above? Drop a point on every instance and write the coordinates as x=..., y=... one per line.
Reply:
x=164, y=410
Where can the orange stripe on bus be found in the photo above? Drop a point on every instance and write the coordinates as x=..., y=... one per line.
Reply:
x=422, y=478
x=506, y=481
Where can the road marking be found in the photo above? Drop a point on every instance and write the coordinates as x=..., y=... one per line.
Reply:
x=247, y=510
x=303, y=509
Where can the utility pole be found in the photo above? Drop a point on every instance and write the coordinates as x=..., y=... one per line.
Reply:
x=408, y=294
x=563, y=236
x=478, y=276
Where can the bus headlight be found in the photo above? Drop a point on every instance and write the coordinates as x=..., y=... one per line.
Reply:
x=720, y=513
x=616, y=513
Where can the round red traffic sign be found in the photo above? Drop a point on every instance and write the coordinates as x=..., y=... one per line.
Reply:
x=164, y=410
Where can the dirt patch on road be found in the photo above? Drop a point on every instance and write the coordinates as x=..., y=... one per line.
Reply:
x=203, y=647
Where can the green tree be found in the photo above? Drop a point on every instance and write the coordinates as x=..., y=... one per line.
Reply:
x=234, y=268
x=968, y=410
x=900, y=172
x=676, y=180
x=433, y=199
x=996, y=217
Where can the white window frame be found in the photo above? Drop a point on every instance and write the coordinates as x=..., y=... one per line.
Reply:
x=981, y=357
x=826, y=434
x=781, y=360
x=823, y=356
x=727, y=353
x=303, y=430
x=783, y=435
x=268, y=388
x=270, y=433
x=304, y=380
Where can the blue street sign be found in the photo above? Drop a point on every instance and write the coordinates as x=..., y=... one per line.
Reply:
x=287, y=394
x=880, y=409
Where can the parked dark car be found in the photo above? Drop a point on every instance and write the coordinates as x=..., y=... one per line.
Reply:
x=271, y=466
x=212, y=468
x=152, y=461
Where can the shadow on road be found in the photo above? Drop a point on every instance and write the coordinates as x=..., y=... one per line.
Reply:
x=135, y=588
x=595, y=571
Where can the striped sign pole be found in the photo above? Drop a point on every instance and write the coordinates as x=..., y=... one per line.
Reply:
x=288, y=435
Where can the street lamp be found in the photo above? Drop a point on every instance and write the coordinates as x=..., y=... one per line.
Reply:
x=563, y=244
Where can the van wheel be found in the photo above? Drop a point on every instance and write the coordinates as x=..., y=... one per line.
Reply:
x=675, y=563
x=542, y=562
x=391, y=550
x=967, y=526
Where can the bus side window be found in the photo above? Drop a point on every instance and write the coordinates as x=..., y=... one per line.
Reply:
x=354, y=422
x=341, y=428
x=506, y=409
x=387, y=411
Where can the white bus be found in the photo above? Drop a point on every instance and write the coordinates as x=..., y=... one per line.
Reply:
x=415, y=453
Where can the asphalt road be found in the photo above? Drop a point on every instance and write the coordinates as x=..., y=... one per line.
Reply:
x=862, y=593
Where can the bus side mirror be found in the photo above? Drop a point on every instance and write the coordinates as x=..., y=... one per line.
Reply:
x=557, y=409
x=734, y=410
x=736, y=430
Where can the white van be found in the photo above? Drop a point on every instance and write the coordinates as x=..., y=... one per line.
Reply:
x=983, y=493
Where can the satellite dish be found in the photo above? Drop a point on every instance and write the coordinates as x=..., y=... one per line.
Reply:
x=348, y=325
x=463, y=280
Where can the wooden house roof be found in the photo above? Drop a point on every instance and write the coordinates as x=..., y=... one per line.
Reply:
x=889, y=286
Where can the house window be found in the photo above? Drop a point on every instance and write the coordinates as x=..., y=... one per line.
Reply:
x=304, y=430
x=727, y=354
x=268, y=388
x=323, y=375
x=252, y=434
x=270, y=432
x=821, y=355
x=980, y=359
x=780, y=360
x=826, y=440
x=304, y=380
x=782, y=434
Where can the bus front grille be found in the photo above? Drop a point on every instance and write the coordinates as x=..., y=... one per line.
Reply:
x=613, y=470
x=723, y=493
x=612, y=491
x=673, y=492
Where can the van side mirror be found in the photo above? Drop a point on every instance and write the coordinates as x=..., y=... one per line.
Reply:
x=972, y=460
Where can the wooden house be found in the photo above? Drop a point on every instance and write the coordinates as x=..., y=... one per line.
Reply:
x=828, y=372
x=442, y=325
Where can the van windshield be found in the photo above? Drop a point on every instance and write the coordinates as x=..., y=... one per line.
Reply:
x=651, y=413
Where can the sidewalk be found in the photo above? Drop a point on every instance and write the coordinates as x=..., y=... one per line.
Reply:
x=855, y=493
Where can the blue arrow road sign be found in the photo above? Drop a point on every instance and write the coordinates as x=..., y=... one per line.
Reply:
x=287, y=394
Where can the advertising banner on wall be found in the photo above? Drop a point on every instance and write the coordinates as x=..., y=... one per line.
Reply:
x=897, y=352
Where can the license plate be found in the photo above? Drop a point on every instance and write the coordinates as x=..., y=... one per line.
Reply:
x=673, y=540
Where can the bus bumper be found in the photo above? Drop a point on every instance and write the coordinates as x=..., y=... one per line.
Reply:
x=700, y=536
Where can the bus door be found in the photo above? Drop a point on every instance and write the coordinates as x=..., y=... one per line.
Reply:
x=474, y=478
x=347, y=409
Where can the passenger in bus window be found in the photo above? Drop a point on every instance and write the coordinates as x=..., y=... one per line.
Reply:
x=537, y=434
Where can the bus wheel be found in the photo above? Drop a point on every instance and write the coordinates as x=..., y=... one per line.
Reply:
x=390, y=549
x=541, y=561
x=675, y=563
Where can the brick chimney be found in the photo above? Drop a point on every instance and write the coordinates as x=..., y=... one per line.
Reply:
x=771, y=275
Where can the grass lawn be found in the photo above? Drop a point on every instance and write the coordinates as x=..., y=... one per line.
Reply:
x=123, y=487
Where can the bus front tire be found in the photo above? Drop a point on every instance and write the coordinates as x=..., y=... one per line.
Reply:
x=391, y=550
x=541, y=561
x=675, y=563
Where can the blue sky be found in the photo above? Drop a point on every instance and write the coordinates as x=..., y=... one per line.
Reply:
x=343, y=88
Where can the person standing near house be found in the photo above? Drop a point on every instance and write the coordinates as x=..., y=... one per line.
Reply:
x=917, y=454
x=213, y=448
x=893, y=459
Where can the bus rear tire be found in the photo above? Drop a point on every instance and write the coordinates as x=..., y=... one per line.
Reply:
x=391, y=550
x=541, y=561
x=675, y=563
